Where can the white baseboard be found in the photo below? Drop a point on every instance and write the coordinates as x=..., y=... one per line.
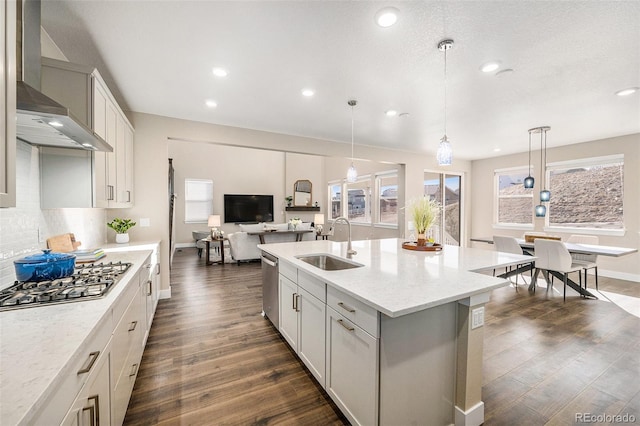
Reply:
x=165, y=294
x=618, y=275
x=182, y=245
x=472, y=417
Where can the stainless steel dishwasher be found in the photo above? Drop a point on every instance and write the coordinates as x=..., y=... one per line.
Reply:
x=270, y=288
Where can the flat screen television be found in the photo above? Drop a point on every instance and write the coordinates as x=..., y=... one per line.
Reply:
x=248, y=208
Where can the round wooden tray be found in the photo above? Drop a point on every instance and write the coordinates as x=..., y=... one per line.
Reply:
x=414, y=246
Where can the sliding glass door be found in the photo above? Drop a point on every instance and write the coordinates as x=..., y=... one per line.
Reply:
x=445, y=189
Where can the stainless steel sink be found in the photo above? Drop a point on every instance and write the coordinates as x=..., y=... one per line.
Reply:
x=328, y=262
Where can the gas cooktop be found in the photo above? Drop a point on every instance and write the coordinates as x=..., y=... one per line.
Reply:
x=88, y=282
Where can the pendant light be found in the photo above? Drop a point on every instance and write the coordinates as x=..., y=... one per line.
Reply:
x=352, y=173
x=545, y=195
x=529, y=180
x=445, y=154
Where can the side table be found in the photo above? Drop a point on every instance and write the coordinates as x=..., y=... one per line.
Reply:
x=207, y=244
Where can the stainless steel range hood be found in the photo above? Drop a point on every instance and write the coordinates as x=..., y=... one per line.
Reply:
x=40, y=119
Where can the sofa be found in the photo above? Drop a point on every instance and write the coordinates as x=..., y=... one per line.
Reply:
x=244, y=247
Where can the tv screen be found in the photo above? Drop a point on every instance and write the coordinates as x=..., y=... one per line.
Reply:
x=248, y=208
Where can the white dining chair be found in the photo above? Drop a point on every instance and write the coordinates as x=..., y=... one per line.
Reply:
x=506, y=244
x=588, y=260
x=553, y=256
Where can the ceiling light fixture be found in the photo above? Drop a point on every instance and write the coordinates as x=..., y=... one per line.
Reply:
x=308, y=93
x=490, y=66
x=220, y=72
x=445, y=154
x=352, y=173
x=391, y=113
x=529, y=181
x=387, y=17
x=211, y=104
x=627, y=92
x=545, y=194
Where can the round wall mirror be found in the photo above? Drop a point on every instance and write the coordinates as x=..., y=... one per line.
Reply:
x=302, y=193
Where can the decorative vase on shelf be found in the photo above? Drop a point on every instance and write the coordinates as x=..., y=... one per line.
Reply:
x=422, y=240
x=122, y=238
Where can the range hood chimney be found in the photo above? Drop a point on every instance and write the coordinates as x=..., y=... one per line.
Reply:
x=40, y=119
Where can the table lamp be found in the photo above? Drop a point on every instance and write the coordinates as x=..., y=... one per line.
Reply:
x=214, y=223
x=318, y=220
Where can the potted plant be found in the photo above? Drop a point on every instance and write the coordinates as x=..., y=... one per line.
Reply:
x=121, y=226
x=424, y=213
x=288, y=199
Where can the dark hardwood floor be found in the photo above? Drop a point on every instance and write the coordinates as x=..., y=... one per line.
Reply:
x=211, y=358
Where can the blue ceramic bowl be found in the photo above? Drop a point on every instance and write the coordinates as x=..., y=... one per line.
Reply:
x=45, y=267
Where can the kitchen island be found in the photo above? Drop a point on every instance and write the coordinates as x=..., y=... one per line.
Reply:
x=65, y=361
x=397, y=339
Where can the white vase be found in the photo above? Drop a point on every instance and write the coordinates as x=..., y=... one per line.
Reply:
x=122, y=238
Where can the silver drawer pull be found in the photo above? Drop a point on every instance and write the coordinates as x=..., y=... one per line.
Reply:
x=94, y=358
x=133, y=325
x=94, y=410
x=150, y=291
x=134, y=370
x=346, y=307
x=345, y=326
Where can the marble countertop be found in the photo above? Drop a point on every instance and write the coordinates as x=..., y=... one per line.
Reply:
x=37, y=344
x=396, y=281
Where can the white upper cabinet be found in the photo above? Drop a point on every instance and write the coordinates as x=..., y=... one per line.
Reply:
x=84, y=91
x=8, y=104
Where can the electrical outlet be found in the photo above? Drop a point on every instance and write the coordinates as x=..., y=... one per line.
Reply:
x=145, y=222
x=477, y=317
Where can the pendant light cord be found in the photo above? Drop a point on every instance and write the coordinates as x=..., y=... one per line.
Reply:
x=541, y=163
x=445, y=92
x=544, y=179
x=351, y=134
x=529, y=153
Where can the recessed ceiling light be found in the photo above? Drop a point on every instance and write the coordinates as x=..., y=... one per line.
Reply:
x=55, y=124
x=391, y=113
x=308, y=93
x=387, y=17
x=211, y=103
x=627, y=92
x=496, y=149
x=220, y=72
x=490, y=66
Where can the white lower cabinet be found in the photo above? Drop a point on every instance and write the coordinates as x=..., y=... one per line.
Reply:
x=91, y=407
x=302, y=323
x=150, y=291
x=352, y=369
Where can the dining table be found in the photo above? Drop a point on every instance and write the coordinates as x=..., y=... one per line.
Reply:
x=528, y=248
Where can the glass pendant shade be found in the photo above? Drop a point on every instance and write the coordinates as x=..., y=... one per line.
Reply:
x=529, y=182
x=445, y=154
x=352, y=174
x=545, y=195
x=541, y=211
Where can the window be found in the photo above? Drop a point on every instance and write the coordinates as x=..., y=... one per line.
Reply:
x=198, y=200
x=514, y=201
x=446, y=190
x=587, y=193
x=387, y=185
x=335, y=199
x=358, y=201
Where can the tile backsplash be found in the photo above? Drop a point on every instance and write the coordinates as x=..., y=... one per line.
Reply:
x=25, y=228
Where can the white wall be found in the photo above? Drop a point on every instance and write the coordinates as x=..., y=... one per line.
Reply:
x=482, y=192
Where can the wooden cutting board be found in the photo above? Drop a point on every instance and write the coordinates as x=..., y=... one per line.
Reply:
x=64, y=243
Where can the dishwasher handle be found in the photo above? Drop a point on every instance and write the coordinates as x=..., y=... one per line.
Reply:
x=270, y=262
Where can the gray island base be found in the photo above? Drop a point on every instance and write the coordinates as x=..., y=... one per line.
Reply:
x=392, y=341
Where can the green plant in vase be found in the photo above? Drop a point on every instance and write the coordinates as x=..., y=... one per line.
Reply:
x=425, y=213
x=121, y=226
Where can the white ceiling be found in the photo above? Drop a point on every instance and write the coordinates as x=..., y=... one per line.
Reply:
x=569, y=58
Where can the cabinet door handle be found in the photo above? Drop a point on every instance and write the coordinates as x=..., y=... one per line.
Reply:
x=297, y=303
x=110, y=194
x=93, y=356
x=128, y=196
x=133, y=325
x=134, y=370
x=150, y=292
x=293, y=302
x=346, y=307
x=157, y=269
x=94, y=410
x=345, y=326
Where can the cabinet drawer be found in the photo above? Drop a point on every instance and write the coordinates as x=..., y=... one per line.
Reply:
x=288, y=270
x=360, y=314
x=127, y=335
x=124, y=386
x=76, y=375
x=313, y=285
x=122, y=304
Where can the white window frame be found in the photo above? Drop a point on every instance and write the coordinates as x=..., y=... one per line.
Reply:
x=376, y=214
x=345, y=200
x=584, y=162
x=330, y=198
x=209, y=199
x=496, y=199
